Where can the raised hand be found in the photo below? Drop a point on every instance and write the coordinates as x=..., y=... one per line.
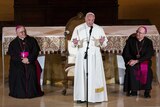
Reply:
x=101, y=40
x=75, y=41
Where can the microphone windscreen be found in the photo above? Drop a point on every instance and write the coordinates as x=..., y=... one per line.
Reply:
x=66, y=32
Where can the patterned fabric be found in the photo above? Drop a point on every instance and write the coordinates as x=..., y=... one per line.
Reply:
x=51, y=39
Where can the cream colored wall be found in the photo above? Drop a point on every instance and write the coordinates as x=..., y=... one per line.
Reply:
x=6, y=10
x=140, y=9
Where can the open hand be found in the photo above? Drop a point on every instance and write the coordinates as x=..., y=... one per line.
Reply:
x=132, y=62
x=75, y=41
x=101, y=40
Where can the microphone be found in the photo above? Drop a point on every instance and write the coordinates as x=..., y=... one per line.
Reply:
x=90, y=31
x=86, y=54
x=66, y=32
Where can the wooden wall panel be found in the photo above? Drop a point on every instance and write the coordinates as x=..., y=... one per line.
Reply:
x=58, y=12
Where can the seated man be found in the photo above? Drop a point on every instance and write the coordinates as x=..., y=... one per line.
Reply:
x=137, y=55
x=23, y=79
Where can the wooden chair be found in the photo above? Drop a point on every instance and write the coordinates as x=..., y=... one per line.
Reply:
x=70, y=54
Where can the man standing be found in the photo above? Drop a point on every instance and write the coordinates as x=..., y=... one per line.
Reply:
x=23, y=80
x=92, y=35
x=137, y=55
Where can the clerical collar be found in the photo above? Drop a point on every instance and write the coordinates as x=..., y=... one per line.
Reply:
x=88, y=26
x=140, y=40
x=21, y=38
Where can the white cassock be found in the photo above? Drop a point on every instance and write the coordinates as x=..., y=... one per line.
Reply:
x=97, y=91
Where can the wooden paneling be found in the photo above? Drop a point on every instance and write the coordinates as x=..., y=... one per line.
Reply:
x=58, y=12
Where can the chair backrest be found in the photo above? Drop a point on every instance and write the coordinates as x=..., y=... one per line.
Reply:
x=72, y=23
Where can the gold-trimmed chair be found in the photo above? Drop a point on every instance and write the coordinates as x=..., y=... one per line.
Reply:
x=71, y=52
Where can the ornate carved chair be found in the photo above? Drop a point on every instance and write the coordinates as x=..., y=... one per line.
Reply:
x=70, y=54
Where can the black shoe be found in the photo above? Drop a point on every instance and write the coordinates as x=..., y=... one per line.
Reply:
x=147, y=94
x=79, y=101
x=128, y=93
x=133, y=93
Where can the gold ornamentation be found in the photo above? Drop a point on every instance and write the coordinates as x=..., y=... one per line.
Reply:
x=98, y=90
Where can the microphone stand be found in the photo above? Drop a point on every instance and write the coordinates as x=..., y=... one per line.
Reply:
x=86, y=57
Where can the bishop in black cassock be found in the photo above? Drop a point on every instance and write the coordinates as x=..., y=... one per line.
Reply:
x=23, y=79
x=137, y=55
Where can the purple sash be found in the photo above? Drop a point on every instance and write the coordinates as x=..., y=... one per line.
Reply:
x=38, y=71
x=24, y=54
x=142, y=72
